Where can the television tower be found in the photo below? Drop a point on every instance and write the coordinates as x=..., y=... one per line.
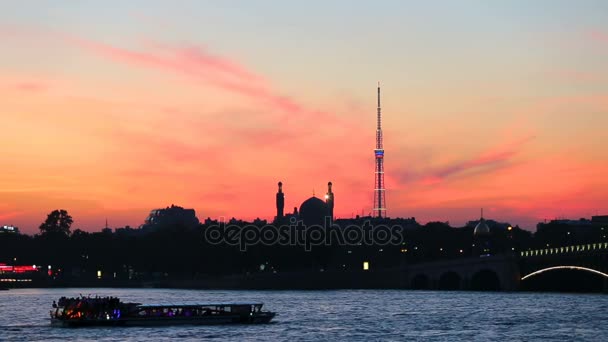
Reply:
x=379, y=208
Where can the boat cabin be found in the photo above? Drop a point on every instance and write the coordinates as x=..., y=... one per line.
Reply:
x=196, y=310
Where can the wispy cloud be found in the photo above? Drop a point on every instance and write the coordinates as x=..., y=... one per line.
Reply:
x=598, y=36
x=224, y=73
x=24, y=84
x=10, y=215
x=487, y=161
x=31, y=86
x=200, y=57
x=200, y=65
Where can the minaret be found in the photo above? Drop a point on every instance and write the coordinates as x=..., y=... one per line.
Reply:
x=379, y=208
x=280, y=202
x=329, y=199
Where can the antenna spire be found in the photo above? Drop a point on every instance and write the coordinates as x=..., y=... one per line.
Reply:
x=379, y=109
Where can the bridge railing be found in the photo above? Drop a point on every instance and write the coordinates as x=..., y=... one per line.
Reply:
x=565, y=249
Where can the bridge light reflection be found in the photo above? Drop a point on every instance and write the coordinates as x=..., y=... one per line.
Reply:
x=578, y=268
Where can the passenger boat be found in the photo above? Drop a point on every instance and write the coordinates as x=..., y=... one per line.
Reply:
x=110, y=311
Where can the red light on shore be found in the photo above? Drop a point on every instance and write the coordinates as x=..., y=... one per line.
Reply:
x=18, y=269
x=23, y=269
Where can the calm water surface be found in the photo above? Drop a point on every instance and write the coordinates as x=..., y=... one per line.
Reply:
x=349, y=315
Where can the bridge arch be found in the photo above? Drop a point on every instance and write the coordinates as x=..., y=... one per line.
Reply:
x=420, y=282
x=578, y=268
x=450, y=281
x=485, y=280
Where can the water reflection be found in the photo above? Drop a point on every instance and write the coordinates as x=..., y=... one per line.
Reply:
x=354, y=315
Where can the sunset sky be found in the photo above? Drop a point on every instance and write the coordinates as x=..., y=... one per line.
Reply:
x=112, y=108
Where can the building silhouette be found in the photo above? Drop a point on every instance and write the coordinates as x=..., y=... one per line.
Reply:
x=313, y=211
x=9, y=230
x=482, y=238
x=170, y=217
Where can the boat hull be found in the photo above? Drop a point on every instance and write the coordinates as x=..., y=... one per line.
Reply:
x=261, y=318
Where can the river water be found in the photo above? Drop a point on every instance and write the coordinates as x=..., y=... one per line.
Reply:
x=348, y=315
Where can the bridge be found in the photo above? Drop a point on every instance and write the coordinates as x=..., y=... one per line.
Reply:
x=513, y=271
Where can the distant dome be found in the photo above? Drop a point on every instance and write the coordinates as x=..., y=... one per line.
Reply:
x=313, y=211
x=481, y=228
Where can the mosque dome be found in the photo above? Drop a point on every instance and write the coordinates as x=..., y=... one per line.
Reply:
x=313, y=211
x=481, y=229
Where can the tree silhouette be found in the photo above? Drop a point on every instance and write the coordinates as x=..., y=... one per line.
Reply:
x=58, y=222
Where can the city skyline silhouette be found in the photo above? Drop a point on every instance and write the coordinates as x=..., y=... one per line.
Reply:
x=207, y=106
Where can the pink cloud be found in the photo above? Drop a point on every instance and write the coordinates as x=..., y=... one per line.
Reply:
x=199, y=56
x=31, y=86
x=25, y=83
x=488, y=161
x=198, y=64
x=598, y=36
x=10, y=215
